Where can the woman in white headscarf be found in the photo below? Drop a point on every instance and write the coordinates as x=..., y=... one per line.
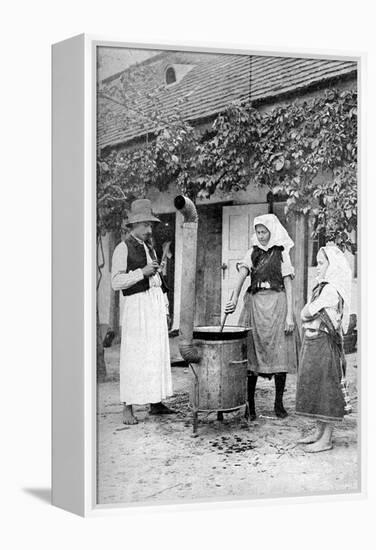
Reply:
x=273, y=341
x=319, y=393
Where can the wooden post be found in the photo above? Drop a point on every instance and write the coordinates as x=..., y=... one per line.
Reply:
x=301, y=264
x=114, y=321
x=101, y=365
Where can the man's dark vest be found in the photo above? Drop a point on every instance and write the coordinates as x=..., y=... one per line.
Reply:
x=266, y=268
x=137, y=259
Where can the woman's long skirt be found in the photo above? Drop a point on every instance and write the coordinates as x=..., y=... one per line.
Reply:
x=145, y=370
x=318, y=392
x=270, y=349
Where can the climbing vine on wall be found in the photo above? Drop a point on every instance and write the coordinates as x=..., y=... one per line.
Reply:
x=167, y=155
x=306, y=150
x=321, y=177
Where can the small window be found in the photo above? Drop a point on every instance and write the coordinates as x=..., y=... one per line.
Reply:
x=170, y=75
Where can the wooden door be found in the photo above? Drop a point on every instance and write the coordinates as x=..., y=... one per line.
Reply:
x=237, y=229
x=164, y=244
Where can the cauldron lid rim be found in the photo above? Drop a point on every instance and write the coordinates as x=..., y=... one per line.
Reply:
x=214, y=332
x=216, y=328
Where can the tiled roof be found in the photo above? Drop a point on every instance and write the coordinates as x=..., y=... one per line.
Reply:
x=212, y=83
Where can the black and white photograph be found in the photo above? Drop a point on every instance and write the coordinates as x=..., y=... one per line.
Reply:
x=188, y=297
x=227, y=310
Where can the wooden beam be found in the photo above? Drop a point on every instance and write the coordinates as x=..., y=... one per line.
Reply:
x=301, y=264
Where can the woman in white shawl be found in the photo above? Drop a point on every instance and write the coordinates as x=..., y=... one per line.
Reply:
x=273, y=341
x=319, y=394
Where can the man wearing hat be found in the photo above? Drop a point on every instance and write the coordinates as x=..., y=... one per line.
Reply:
x=145, y=370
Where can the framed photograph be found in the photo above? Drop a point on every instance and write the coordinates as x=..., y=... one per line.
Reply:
x=206, y=293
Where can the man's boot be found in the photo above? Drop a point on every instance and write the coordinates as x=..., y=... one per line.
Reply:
x=251, y=384
x=280, y=383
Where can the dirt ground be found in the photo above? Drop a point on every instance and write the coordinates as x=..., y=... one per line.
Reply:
x=159, y=460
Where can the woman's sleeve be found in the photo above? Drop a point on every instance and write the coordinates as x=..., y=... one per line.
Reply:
x=286, y=265
x=120, y=279
x=246, y=261
x=327, y=299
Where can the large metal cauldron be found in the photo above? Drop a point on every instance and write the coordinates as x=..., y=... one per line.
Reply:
x=220, y=378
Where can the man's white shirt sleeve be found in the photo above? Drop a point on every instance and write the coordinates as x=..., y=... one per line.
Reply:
x=120, y=279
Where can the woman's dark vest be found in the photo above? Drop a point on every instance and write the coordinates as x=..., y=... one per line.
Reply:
x=266, y=268
x=137, y=259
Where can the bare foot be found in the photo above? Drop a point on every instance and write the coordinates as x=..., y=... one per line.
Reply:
x=318, y=447
x=128, y=417
x=311, y=438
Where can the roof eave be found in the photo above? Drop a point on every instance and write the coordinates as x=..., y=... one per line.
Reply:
x=275, y=96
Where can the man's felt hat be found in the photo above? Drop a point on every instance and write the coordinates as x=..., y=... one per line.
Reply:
x=141, y=212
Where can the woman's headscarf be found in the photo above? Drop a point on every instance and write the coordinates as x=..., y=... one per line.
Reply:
x=278, y=234
x=339, y=275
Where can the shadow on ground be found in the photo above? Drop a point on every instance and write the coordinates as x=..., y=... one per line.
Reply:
x=40, y=493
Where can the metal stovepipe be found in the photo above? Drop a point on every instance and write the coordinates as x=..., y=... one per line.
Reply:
x=188, y=351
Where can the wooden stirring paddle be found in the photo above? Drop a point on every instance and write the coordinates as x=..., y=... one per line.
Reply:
x=226, y=315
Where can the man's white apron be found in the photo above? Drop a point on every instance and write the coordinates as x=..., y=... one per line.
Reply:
x=145, y=371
